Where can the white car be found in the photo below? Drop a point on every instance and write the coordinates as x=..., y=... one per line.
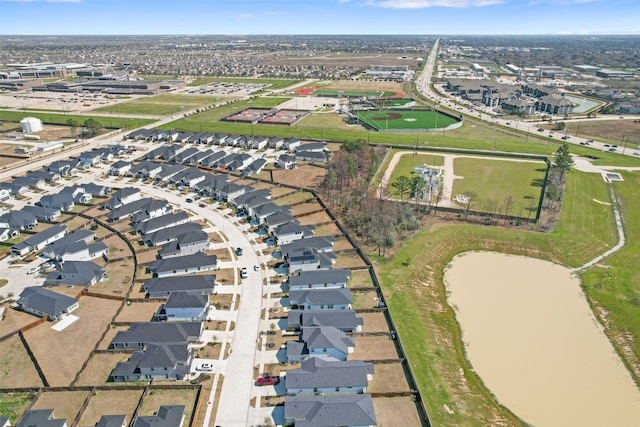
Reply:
x=205, y=367
x=243, y=272
x=32, y=270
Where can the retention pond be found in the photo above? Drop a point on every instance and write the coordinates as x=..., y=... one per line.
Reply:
x=533, y=340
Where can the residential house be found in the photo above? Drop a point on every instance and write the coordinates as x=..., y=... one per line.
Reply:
x=321, y=299
x=123, y=197
x=77, y=246
x=286, y=161
x=167, y=235
x=153, y=208
x=319, y=243
x=334, y=410
x=49, y=177
x=274, y=220
x=76, y=273
x=213, y=159
x=145, y=170
x=185, y=307
x=76, y=193
x=130, y=209
x=327, y=279
x=8, y=233
x=258, y=143
x=325, y=342
x=343, y=320
x=43, y=214
x=41, y=418
x=230, y=191
x=112, y=421
x=63, y=168
x=156, y=362
x=5, y=194
x=45, y=303
x=255, y=167
x=96, y=190
x=167, y=416
x=184, y=155
x=188, y=264
x=39, y=241
x=309, y=259
x=289, y=232
x=192, y=177
x=318, y=376
x=312, y=147
x=291, y=144
x=4, y=421
x=267, y=209
x=31, y=182
x=241, y=201
x=199, y=158
x=19, y=220
x=120, y=168
x=185, y=244
x=63, y=202
x=163, y=287
x=312, y=156
x=275, y=142
x=14, y=189
x=141, y=334
x=161, y=222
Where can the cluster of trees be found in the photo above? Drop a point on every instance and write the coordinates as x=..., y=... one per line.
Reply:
x=562, y=163
x=90, y=127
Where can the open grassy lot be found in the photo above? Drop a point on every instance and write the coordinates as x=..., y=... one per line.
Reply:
x=159, y=105
x=275, y=83
x=314, y=219
x=12, y=405
x=76, y=341
x=106, y=402
x=118, y=122
x=374, y=322
x=364, y=299
x=306, y=208
x=348, y=260
x=374, y=348
x=389, y=410
x=99, y=367
x=612, y=285
x=613, y=131
x=360, y=279
x=297, y=197
x=156, y=398
x=326, y=230
x=427, y=327
x=342, y=244
x=16, y=368
x=304, y=176
x=67, y=404
x=408, y=162
x=497, y=179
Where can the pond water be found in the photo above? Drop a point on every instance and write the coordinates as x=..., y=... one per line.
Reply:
x=532, y=338
x=584, y=104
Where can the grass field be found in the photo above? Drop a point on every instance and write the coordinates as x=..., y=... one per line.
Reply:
x=47, y=118
x=415, y=294
x=405, y=119
x=12, y=405
x=159, y=105
x=352, y=93
x=393, y=102
x=275, y=83
x=408, y=162
x=498, y=179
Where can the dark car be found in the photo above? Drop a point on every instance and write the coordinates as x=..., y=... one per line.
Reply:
x=239, y=251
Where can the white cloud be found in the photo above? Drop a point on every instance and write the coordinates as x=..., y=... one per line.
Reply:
x=343, y=1
x=245, y=16
x=422, y=4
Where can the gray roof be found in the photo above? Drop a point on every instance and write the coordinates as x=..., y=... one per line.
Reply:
x=45, y=301
x=341, y=319
x=40, y=418
x=44, y=235
x=321, y=243
x=79, y=273
x=163, y=285
x=40, y=212
x=264, y=193
x=82, y=235
x=334, y=275
x=167, y=416
x=129, y=209
x=318, y=373
x=4, y=421
x=328, y=411
x=293, y=227
x=183, y=262
x=327, y=337
x=278, y=218
x=112, y=421
x=182, y=240
x=163, y=357
x=171, y=233
x=159, y=333
x=19, y=219
x=161, y=222
x=153, y=205
x=321, y=296
x=186, y=300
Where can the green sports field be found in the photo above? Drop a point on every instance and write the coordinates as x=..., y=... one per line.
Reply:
x=393, y=102
x=352, y=93
x=404, y=119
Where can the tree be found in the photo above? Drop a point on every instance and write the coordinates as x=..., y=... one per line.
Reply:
x=73, y=124
x=418, y=186
x=563, y=160
x=91, y=128
x=560, y=125
x=508, y=204
x=470, y=197
x=402, y=185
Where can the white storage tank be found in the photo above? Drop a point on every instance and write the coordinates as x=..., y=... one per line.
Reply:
x=31, y=124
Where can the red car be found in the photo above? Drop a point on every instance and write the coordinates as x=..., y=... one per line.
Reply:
x=268, y=380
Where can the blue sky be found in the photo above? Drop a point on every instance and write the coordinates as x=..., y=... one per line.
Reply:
x=319, y=16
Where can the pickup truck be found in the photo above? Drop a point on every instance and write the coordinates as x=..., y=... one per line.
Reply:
x=268, y=380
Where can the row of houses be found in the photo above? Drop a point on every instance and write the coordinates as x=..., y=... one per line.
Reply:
x=166, y=416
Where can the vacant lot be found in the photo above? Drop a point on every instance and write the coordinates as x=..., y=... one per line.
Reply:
x=294, y=197
x=348, y=260
x=327, y=230
x=342, y=244
x=388, y=378
x=611, y=131
x=495, y=180
x=67, y=404
x=374, y=322
x=138, y=312
x=157, y=398
x=105, y=402
x=159, y=105
x=14, y=320
x=99, y=367
x=306, y=208
x=74, y=342
x=303, y=176
x=360, y=279
x=374, y=348
x=366, y=299
x=314, y=219
x=16, y=368
x=388, y=410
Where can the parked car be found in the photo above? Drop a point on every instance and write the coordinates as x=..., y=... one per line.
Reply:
x=32, y=270
x=205, y=367
x=540, y=129
x=48, y=266
x=612, y=149
x=189, y=200
x=636, y=153
x=268, y=380
x=566, y=137
x=256, y=267
x=239, y=251
x=243, y=273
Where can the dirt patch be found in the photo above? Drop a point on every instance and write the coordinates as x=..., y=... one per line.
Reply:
x=364, y=300
x=147, y=256
x=221, y=301
x=99, y=368
x=14, y=320
x=303, y=176
x=349, y=260
x=306, y=208
x=105, y=402
x=387, y=410
x=314, y=219
x=16, y=368
x=327, y=230
x=342, y=244
x=157, y=398
x=138, y=312
x=360, y=279
x=374, y=322
x=388, y=378
x=67, y=404
x=225, y=276
x=74, y=343
x=374, y=348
